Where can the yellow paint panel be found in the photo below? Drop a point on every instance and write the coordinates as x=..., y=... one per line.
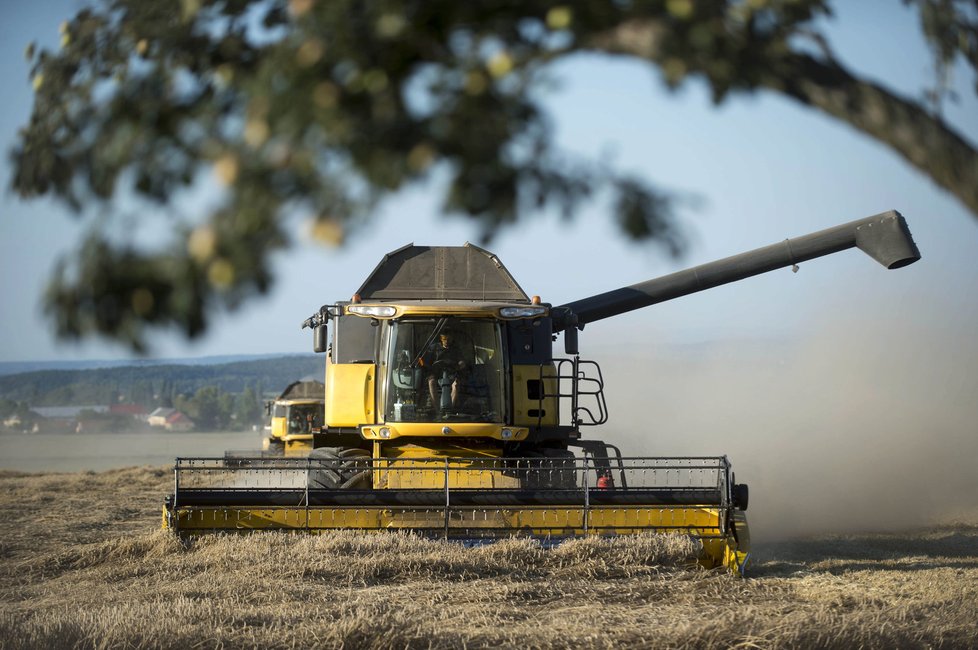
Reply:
x=526, y=410
x=280, y=427
x=350, y=394
x=413, y=467
x=298, y=445
x=444, y=430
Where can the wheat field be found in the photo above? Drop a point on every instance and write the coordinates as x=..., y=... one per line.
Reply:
x=84, y=565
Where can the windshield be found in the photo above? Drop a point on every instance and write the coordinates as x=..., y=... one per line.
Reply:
x=445, y=369
x=303, y=418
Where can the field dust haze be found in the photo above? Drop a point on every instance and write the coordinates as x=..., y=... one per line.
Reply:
x=839, y=429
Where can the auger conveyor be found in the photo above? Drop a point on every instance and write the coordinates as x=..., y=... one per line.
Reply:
x=549, y=499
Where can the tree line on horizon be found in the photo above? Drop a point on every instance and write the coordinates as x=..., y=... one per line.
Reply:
x=222, y=397
x=209, y=407
x=154, y=386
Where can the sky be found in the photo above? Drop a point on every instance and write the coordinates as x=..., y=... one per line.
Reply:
x=755, y=171
x=842, y=376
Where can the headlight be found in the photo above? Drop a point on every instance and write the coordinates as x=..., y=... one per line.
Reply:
x=377, y=311
x=384, y=432
x=506, y=434
x=523, y=312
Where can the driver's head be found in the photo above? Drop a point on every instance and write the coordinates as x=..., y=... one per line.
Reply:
x=445, y=339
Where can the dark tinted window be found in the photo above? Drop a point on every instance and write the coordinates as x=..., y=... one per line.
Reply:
x=355, y=340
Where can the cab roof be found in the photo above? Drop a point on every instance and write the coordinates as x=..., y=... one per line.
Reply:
x=455, y=273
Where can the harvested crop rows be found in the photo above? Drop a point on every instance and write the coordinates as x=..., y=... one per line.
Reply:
x=84, y=564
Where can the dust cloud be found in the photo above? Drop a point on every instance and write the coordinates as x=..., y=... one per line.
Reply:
x=842, y=428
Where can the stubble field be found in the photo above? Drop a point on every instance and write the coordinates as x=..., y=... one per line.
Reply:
x=83, y=564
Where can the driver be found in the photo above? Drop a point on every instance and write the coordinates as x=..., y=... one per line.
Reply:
x=446, y=356
x=296, y=422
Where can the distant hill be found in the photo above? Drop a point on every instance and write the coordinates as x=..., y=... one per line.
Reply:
x=17, y=367
x=139, y=383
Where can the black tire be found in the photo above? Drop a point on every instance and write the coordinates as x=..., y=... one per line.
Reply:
x=741, y=496
x=339, y=468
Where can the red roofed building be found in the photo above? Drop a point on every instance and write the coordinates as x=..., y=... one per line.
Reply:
x=170, y=419
x=135, y=410
x=177, y=421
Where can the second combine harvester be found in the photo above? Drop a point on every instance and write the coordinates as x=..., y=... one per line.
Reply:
x=447, y=413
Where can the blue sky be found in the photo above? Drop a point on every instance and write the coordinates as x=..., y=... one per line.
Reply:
x=760, y=169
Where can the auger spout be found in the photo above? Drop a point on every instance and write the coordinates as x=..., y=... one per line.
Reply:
x=885, y=237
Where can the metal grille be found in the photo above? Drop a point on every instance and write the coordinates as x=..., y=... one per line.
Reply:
x=458, y=498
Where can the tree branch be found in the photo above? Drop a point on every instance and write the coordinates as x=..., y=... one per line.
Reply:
x=923, y=139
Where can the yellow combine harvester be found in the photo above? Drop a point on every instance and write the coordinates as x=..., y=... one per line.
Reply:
x=447, y=413
x=292, y=418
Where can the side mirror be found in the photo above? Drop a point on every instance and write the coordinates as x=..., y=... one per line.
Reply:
x=319, y=339
x=570, y=340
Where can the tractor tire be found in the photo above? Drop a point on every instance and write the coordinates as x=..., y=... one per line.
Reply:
x=339, y=468
x=741, y=496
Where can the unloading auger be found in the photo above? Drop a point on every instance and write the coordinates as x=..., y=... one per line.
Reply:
x=447, y=413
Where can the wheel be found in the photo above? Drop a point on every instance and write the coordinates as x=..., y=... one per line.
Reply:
x=274, y=446
x=339, y=468
x=740, y=495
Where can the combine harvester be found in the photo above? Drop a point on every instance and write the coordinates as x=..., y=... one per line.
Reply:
x=292, y=418
x=446, y=413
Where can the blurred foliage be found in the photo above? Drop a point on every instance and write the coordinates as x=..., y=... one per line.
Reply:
x=248, y=408
x=210, y=408
x=9, y=408
x=317, y=110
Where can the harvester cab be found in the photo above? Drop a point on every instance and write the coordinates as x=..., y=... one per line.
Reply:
x=446, y=412
x=440, y=348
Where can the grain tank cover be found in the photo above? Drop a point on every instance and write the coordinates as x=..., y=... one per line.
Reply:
x=307, y=389
x=441, y=273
